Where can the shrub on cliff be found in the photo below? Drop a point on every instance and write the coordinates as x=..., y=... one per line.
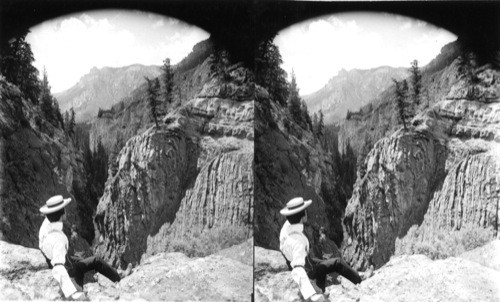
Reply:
x=440, y=243
x=204, y=243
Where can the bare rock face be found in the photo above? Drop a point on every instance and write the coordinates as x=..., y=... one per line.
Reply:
x=145, y=193
x=403, y=278
x=24, y=275
x=468, y=194
x=401, y=175
x=194, y=172
x=443, y=173
x=37, y=161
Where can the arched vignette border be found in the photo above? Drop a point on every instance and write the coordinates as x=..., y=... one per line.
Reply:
x=240, y=25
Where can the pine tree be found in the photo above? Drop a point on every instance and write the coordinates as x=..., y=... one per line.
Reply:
x=99, y=171
x=315, y=124
x=16, y=64
x=152, y=95
x=72, y=123
x=66, y=120
x=401, y=105
x=46, y=97
x=294, y=100
x=57, y=112
x=305, y=115
x=321, y=124
x=168, y=81
x=220, y=64
x=467, y=62
x=416, y=84
x=268, y=71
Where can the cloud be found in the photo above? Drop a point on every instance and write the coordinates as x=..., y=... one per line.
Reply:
x=318, y=49
x=406, y=25
x=69, y=47
x=158, y=23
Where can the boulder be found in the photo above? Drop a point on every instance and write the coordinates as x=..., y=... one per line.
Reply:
x=403, y=278
x=24, y=275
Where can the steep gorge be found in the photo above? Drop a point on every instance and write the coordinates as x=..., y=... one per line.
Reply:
x=37, y=160
x=192, y=173
x=291, y=162
x=447, y=180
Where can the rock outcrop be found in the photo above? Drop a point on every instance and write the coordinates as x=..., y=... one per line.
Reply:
x=402, y=173
x=37, y=160
x=192, y=173
x=128, y=116
x=403, y=278
x=24, y=275
x=450, y=179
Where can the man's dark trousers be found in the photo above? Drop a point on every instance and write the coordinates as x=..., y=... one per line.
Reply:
x=321, y=268
x=81, y=266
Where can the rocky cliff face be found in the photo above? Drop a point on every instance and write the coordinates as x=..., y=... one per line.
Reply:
x=377, y=119
x=24, y=275
x=441, y=172
x=290, y=162
x=402, y=173
x=130, y=116
x=37, y=161
x=194, y=172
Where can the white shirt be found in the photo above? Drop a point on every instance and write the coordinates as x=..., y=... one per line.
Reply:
x=54, y=244
x=295, y=246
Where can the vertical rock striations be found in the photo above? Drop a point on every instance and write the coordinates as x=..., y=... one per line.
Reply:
x=221, y=195
x=442, y=173
x=401, y=174
x=154, y=170
x=469, y=194
x=192, y=173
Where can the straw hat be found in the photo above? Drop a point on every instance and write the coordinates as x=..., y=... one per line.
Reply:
x=54, y=204
x=295, y=205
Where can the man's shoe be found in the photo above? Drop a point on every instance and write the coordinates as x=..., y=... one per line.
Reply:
x=368, y=273
x=78, y=296
x=126, y=272
x=317, y=298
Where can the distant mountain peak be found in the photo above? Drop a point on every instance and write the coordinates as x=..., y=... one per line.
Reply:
x=102, y=88
x=352, y=89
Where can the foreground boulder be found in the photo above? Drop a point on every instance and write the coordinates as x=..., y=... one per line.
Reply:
x=403, y=278
x=24, y=275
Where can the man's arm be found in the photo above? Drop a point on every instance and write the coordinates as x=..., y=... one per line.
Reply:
x=59, y=271
x=299, y=275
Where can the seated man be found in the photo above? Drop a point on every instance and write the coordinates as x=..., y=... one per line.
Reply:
x=54, y=246
x=294, y=246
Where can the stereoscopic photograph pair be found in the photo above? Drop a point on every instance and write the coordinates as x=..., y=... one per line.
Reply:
x=219, y=150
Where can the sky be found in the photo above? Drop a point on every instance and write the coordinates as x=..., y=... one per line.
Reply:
x=69, y=46
x=319, y=48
